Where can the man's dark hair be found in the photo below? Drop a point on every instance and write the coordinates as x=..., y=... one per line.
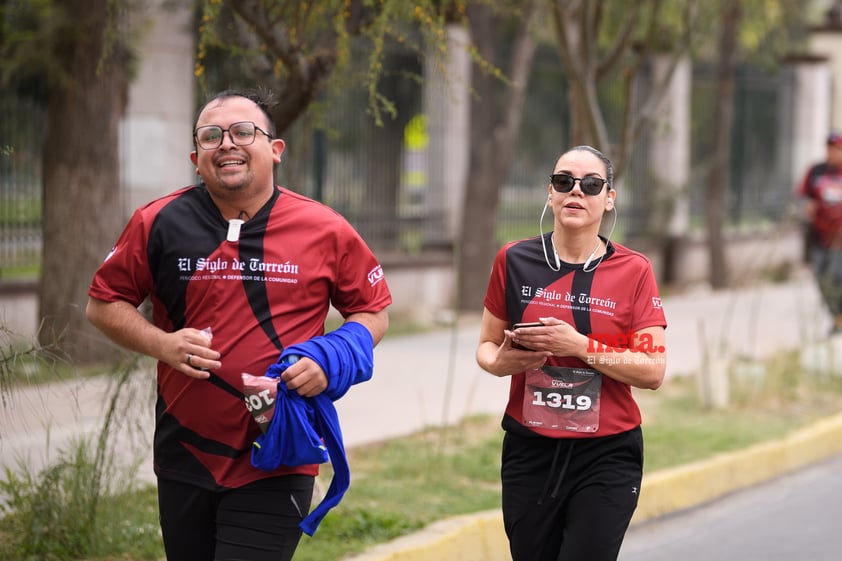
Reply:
x=263, y=99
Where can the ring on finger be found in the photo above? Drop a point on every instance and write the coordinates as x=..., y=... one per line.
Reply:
x=189, y=357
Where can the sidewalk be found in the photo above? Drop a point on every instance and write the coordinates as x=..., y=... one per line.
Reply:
x=432, y=379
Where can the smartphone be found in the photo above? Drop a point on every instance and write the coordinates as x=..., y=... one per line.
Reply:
x=524, y=324
x=527, y=324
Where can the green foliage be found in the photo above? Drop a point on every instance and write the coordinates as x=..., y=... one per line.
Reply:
x=35, y=364
x=67, y=511
x=354, y=530
x=23, y=363
x=35, y=36
x=772, y=29
x=769, y=29
x=62, y=515
x=51, y=516
x=25, y=27
x=309, y=51
x=407, y=483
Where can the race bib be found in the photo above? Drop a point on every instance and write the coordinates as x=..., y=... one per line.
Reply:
x=562, y=398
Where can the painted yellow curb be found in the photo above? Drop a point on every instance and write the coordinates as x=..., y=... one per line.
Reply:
x=480, y=536
x=693, y=484
x=473, y=537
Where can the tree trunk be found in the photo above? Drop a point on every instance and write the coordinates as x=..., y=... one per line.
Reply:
x=494, y=132
x=82, y=213
x=723, y=116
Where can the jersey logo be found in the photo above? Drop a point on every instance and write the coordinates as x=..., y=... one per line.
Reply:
x=656, y=303
x=110, y=253
x=375, y=275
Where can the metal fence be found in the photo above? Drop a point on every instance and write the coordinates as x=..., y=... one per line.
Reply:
x=369, y=174
x=375, y=175
x=21, y=126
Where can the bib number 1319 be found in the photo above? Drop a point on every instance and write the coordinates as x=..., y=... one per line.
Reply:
x=562, y=398
x=564, y=401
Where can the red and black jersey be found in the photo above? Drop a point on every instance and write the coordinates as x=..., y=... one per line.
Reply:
x=269, y=289
x=618, y=298
x=823, y=184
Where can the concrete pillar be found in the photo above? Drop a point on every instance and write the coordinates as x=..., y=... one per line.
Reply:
x=811, y=108
x=448, y=108
x=156, y=130
x=669, y=156
x=827, y=41
x=669, y=163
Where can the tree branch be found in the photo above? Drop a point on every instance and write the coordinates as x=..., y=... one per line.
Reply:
x=635, y=118
x=560, y=17
x=307, y=75
x=520, y=68
x=619, y=46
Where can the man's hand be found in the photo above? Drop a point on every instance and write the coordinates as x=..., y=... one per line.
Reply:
x=305, y=377
x=189, y=351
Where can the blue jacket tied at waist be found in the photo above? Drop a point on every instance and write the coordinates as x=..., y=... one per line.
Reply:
x=299, y=424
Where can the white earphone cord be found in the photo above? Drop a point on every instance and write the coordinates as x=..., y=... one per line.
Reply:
x=590, y=257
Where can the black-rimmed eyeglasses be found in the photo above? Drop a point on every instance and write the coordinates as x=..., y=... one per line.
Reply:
x=210, y=137
x=590, y=185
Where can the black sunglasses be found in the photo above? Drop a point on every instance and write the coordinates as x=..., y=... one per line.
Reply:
x=590, y=185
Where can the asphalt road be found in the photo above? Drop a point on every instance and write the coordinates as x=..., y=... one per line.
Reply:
x=795, y=518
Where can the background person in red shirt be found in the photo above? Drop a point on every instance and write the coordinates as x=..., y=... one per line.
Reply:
x=821, y=190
